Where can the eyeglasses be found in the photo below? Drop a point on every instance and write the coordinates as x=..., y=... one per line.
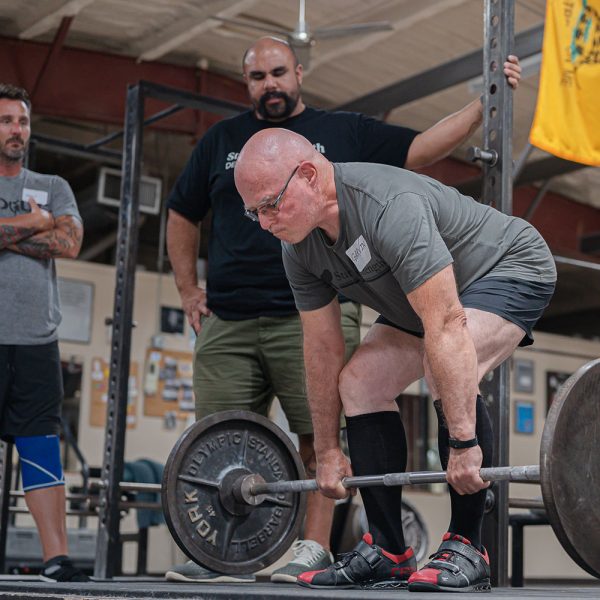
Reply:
x=268, y=209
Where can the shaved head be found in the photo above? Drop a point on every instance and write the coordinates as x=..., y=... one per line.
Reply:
x=287, y=185
x=270, y=152
x=265, y=44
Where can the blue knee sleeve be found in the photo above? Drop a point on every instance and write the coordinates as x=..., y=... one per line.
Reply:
x=40, y=461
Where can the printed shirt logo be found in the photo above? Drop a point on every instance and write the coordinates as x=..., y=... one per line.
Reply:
x=359, y=253
x=16, y=207
x=233, y=156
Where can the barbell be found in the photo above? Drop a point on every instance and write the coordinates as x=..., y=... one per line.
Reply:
x=232, y=484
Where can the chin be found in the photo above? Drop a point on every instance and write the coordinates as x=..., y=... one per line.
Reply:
x=294, y=238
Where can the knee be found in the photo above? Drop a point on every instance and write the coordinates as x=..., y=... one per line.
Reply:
x=40, y=461
x=360, y=393
x=351, y=387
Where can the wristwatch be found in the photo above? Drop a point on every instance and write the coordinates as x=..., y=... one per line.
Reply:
x=459, y=444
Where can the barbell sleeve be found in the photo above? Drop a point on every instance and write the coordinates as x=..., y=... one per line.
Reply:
x=522, y=474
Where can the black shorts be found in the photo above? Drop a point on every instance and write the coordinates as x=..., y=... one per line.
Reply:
x=516, y=300
x=31, y=390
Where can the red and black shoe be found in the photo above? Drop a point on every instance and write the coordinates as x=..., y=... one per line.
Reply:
x=368, y=566
x=457, y=566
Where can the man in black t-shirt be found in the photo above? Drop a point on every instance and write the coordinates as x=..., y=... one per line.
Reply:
x=249, y=345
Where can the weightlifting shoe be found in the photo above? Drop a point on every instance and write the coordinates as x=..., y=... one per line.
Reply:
x=191, y=572
x=457, y=566
x=368, y=566
x=308, y=556
x=60, y=569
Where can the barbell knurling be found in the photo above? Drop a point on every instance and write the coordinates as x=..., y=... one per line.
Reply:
x=523, y=474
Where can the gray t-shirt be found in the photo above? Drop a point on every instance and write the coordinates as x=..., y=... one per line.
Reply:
x=398, y=229
x=29, y=302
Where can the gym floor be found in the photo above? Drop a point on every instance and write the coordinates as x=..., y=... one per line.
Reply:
x=137, y=588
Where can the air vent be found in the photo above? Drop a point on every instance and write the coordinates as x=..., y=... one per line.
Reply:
x=109, y=190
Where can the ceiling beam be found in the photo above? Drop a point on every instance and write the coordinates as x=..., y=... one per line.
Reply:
x=538, y=170
x=439, y=78
x=52, y=19
x=53, y=54
x=192, y=26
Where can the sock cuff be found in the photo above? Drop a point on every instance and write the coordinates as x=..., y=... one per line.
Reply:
x=56, y=560
x=374, y=416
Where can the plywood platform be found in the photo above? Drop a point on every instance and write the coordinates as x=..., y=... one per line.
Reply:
x=129, y=589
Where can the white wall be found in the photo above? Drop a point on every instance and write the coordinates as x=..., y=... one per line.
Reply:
x=149, y=438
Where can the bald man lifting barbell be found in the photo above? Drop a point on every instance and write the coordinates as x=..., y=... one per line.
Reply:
x=458, y=285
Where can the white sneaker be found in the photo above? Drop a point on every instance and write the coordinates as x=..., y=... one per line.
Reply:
x=308, y=556
x=193, y=573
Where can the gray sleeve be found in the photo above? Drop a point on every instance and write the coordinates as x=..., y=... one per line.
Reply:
x=310, y=292
x=409, y=241
x=62, y=201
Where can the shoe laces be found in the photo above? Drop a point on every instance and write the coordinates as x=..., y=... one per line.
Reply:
x=307, y=552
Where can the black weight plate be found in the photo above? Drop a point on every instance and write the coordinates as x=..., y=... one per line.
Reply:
x=204, y=518
x=570, y=466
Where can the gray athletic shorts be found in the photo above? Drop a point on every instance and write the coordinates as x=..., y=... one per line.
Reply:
x=516, y=300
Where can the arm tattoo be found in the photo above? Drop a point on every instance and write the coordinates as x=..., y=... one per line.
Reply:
x=60, y=242
x=9, y=234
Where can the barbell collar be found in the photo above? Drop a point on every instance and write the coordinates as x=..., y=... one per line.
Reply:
x=522, y=474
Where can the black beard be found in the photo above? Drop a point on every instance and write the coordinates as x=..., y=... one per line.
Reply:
x=270, y=113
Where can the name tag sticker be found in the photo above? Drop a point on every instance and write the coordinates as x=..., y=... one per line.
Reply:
x=40, y=196
x=359, y=253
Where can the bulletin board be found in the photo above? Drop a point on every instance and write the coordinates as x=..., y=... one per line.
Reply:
x=168, y=383
x=99, y=376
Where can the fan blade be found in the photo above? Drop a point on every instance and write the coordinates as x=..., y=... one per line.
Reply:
x=322, y=33
x=241, y=23
x=302, y=52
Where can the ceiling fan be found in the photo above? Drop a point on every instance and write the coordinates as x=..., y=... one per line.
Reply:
x=302, y=37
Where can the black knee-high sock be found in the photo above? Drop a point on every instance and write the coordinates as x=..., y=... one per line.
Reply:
x=377, y=444
x=467, y=510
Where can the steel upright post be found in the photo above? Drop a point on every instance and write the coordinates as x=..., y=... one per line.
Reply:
x=497, y=190
x=116, y=411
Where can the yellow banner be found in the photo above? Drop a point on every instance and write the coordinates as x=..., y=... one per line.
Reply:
x=567, y=115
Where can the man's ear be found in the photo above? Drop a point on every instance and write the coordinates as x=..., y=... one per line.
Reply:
x=307, y=170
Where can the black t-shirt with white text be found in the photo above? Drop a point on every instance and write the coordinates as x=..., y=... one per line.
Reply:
x=246, y=278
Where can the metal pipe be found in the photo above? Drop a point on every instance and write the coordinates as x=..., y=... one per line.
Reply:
x=522, y=474
x=118, y=134
x=531, y=503
x=22, y=510
x=537, y=200
x=129, y=486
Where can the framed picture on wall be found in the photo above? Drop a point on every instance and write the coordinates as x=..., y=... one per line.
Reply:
x=524, y=411
x=523, y=376
x=76, y=303
x=554, y=379
x=172, y=319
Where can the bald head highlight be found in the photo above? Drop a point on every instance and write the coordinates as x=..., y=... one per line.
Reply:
x=265, y=44
x=269, y=153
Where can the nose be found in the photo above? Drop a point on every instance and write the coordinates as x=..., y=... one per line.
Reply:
x=265, y=221
x=16, y=128
x=270, y=82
